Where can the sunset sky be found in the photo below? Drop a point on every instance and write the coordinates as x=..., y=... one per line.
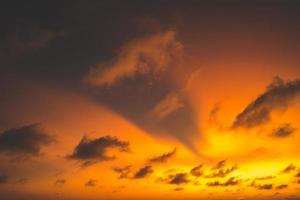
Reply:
x=150, y=100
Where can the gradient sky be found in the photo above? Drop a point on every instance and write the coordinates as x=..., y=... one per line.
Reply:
x=149, y=100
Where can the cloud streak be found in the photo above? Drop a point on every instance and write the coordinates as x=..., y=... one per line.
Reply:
x=279, y=95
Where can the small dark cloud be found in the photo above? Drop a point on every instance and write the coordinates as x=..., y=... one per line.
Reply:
x=24, y=141
x=123, y=171
x=230, y=182
x=143, y=172
x=282, y=186
x=3, y=178
x=289, y=169
x=91, y=183
x=297, y=175
x=197, y=171
x=262, y=186
x=180, y=178
x=220, y=164
x=178, y=189
x=283, y=131
x=278, y=95
x=163, y=158
x=91, y=151
x=60, y=182
x=220, y=173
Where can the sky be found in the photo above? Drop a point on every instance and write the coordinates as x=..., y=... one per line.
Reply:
x=149, y=100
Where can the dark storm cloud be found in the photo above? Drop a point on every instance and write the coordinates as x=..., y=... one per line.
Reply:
x=180, y=178
x=91, y=183
x=230, y=182
x=281, y=187
x=91, y=151
x=289, y=168
x=24, y=141
x=163, y=158
x=278, y=95
x=143, y=172
x=197, y=171
x=123, y=171
x=33, y=39
x=60, y=182
x=283, y=131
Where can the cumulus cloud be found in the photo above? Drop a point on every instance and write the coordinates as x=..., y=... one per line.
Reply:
x=197, y=171
x=164, y=157
x=283, y=131
x=230, y=182
x=278, y=96
x=91, y=151
x=143, y=172
x=91, y=183
x=148, y=55
x=25, y=141
x=179, y=178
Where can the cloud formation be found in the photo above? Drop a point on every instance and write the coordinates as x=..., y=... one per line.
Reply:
x=163, y=158
x=278, y=96
x=91, y=151
x=91, y=183
x=60, y=182
x=143, y=172
x=230, y=182
x=168, y=105
x=180, y=178
x=197, y=171
x=3, y=178
x=123, y=171
x=149, y=55
x=25, y=141
x=283, y=131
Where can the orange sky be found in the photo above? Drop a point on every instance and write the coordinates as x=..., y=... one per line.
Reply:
x=173, y=113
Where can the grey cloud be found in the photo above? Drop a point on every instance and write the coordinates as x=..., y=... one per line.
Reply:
x=262, y=186
x=283, y=131
x=91, y=151
x=163, y=158
x=221, y=172
x=24, y=141
x=143, y=172
x=179, y=178
x=278, y=95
